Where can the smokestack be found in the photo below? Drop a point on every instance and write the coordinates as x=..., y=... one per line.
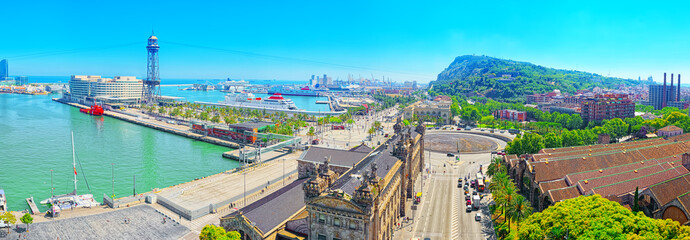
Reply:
x=671, y=90
x=678, y=94
x=663, y=93
x=671, y=80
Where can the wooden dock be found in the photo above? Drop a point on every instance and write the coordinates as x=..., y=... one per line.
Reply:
x=32, y=204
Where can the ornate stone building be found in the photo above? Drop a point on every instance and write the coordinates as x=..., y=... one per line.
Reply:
x=367, y=200
x=341, y=194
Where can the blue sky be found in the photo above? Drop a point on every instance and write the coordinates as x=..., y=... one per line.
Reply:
x=291, y=40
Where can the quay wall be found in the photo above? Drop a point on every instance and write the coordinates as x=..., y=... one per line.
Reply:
x=134, y=120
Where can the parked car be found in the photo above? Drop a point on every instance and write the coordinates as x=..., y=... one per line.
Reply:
x=468, y=128
x=459, y=129
x=478, y=217
x=469, y=208
x=450, y=155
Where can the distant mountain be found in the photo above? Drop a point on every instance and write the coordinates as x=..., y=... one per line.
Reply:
x=510, y=80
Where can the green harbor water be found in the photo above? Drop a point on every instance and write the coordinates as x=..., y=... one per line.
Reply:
x=35, y=139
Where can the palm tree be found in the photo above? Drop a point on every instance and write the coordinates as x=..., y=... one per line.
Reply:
x=521, y=209
x=508, y=196
x=310, y=133
x=496, y=166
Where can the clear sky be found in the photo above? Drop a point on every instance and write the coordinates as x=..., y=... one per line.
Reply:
x=291, y=40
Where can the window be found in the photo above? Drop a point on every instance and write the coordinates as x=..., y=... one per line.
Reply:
x=353, y=225
x=336, y=222
x=322, y=218
x=321, y=237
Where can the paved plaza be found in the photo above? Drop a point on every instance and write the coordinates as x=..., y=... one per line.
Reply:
x=144, y=222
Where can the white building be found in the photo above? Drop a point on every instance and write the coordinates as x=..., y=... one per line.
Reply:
x=113, y=91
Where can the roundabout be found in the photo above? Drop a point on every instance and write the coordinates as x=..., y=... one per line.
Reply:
x=456, y=142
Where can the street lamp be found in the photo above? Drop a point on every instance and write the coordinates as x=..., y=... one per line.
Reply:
x=244, y=182
x=283, y=171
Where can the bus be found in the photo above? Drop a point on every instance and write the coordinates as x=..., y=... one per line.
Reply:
x=480, y=185
x=480, y=176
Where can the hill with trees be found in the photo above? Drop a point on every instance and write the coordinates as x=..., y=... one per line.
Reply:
x=510, y=80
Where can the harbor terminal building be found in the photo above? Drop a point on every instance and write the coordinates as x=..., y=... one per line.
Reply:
x=119, y=90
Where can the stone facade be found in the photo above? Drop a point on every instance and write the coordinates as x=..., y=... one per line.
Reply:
x=367, y=206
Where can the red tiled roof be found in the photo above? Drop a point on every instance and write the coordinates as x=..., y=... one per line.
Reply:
x=598, y=149
x=598, y=146
x=670, y=128
x=629, y=175
x=684, y=200
x=560, y=194
x=546, y=186
x=642, y=182
x=668, y=190
x=551, y=169
x=575, y=177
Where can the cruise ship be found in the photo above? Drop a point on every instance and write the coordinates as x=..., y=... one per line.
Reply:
x=247, y=100
x=305, y=91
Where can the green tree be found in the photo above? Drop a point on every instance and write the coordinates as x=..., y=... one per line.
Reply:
x=636, y=198
x=27, y=219
x=595, y=217
x=211, y=232
x=519, y=210
x=161, y=110
x=551, y=140
x=8, y=217
x=674, y=117
x=616, y=127
x=215, y=119
x=574, y=122
x=455, y=109
x=470, y=114
x=495, y=167
x=311, y=133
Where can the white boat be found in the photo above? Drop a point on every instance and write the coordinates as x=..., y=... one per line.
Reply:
x=247, y=100
x=71, y=200
x=3, y=201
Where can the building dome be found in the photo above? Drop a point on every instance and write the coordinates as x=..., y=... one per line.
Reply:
x=153, y=37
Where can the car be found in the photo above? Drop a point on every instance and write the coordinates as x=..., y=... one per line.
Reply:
x=437, y=128
x=481, y=129
x=503, y=131
x=467, y=197
x=469, y=208
x=450, y=155
x=478, y=217
x=468, y=128
x=493, y=152
x=459, y=129
x=475, y=193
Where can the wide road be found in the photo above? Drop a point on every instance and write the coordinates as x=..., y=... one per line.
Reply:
x=441, y=214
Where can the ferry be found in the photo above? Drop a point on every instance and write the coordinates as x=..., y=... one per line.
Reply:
x=70, y=200
x=248, y=100
x=95, y=110
x=305, y=91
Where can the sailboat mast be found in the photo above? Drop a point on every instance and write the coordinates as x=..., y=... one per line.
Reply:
x=74, y=165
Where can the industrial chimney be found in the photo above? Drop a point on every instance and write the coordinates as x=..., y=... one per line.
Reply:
x=663, y=93
x=671, y=90
x=678, y=95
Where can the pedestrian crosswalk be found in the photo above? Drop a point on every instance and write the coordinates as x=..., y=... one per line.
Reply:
x=455, y=211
